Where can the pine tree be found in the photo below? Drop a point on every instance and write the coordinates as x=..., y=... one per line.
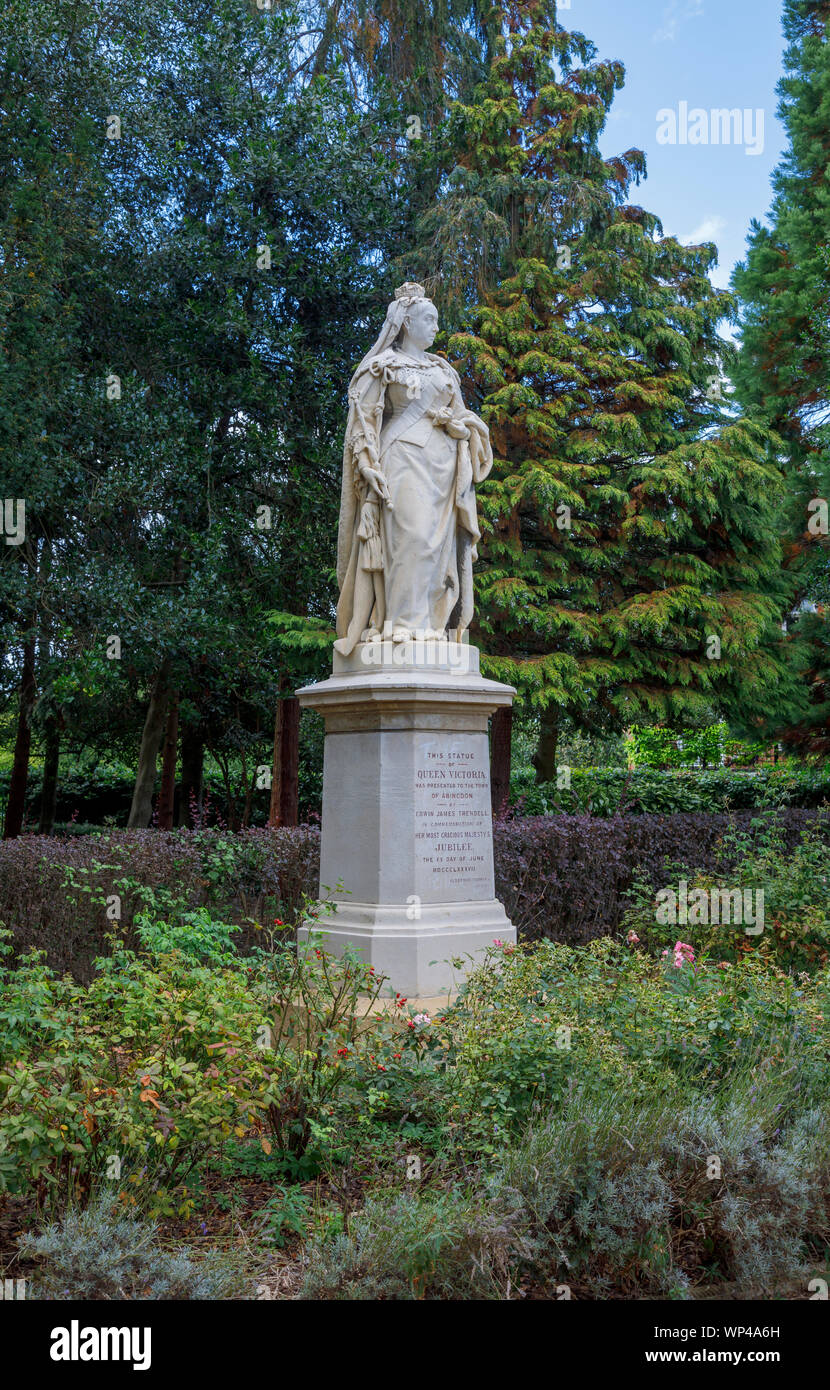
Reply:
x=629, y=565
x=783, y=371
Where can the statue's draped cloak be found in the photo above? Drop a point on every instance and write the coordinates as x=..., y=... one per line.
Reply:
x=423, y=545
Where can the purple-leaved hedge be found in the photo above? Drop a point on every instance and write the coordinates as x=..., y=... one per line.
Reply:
x=564, y=877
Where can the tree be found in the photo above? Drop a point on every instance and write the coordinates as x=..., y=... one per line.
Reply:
x=53, y=192
x=629, y=566
x=783, y=371
x=179, y=330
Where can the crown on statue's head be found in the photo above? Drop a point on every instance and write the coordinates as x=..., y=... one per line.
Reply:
x=410, y=291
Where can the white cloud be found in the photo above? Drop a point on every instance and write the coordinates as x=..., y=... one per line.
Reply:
x=675, y=14
x=708, y=230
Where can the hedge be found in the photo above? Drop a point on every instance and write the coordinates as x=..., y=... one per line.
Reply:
x=608, y=791
x=563, y=877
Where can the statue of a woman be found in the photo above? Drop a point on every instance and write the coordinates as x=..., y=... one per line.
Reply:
x=413, y=452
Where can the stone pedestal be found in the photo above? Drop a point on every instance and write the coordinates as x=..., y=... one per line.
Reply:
x=407, y=841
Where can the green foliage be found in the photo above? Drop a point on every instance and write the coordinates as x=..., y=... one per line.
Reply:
x=153, y=1066
x=783, y=369
x=317, y=1032
x=564, y=1110
x=164, y=1058
x=607, y=792
x=530, y=1021
x=285, y=1214
x=656, y=746
x=619, y=1195
x=611, y=1194
x=195, y=935
x=214, y=471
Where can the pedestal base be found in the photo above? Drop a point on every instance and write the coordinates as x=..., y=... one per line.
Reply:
x=407, y=841
x=428, y=956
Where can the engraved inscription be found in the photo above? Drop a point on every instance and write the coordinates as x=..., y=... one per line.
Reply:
x=453, y=825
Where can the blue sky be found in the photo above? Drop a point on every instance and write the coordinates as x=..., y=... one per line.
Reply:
x=710, y=54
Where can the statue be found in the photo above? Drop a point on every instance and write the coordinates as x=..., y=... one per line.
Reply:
x=412, y=456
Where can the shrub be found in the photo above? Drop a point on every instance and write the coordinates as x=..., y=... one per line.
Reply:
x=197, y=935
x=532, y=1020
x=107, y=1252
x=320, y=1031
x=621, y=1195
x=608, y=1194
x=514, y=1040
x=656, y=746
x=94, y=793
x=153, y=1066
x=794, y=881
x=443, y=1245
x=161, y=1059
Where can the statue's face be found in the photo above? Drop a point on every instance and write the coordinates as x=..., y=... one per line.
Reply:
x=422, y=323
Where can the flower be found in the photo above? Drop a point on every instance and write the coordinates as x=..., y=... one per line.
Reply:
x=632, y=938
x=421, y=1019
x=497, y=941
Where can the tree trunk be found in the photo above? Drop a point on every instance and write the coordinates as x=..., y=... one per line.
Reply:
x=544, y=760
x=152, y=734
x=49, y=790
x=22, y=745
x=230, y=805
x=501, y=734
x=285, y=776
x=193, y=761
x=167, y=795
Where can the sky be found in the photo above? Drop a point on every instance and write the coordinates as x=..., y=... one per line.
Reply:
x=709, y=54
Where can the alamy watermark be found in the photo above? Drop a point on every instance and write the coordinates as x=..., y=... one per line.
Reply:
x=13, y=515
x=79, y=1343
x=711, y=907
x=719, y=126
x=417, y=648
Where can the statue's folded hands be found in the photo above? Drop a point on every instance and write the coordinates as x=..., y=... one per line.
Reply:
x=446, y=420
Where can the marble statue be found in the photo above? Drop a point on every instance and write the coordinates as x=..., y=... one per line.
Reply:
x=413, y=454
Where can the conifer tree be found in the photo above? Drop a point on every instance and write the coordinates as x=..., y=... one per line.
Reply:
x=783, y=371
x=629, y=565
